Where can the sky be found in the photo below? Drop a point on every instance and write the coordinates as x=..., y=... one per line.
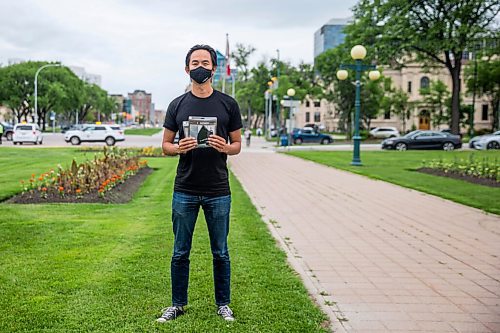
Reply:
x=143, y=44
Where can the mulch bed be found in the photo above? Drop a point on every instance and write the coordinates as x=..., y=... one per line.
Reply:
x=122, y=193
x=455, y=175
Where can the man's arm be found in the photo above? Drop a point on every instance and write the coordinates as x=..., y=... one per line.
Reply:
x=231, y=148
x=171, y=149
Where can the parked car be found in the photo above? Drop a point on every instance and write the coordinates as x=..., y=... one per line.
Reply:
x=424, y=140
x=309, y=135
x=8, y=130
x=448, y=131
x=27, y=133
x=487, y=141
x=384, y=132
x=73, y=127
x=109, y=134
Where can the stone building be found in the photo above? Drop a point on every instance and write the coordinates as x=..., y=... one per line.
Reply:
x=410, y=79
x=141, y=105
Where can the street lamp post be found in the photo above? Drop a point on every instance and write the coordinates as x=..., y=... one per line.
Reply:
x=276, y=80
x=290, y=93
x=36, y=85
x=358, y=53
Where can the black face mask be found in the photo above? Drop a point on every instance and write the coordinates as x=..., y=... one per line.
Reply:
x=200, y=74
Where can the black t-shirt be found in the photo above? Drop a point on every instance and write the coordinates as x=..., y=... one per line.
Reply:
x=203, y=171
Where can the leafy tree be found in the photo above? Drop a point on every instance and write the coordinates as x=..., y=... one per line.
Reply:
x=430, y=31
x=397, y=103
x=240, y=57
x=437, y=98
x=59, y=90
x=343, y=93
x=487, y=84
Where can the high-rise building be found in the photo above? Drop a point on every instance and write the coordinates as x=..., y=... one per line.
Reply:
x=330, y=35
x=87, y=77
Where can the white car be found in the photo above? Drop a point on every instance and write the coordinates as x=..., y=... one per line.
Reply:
x=384, y=132
x=488, y=141
x=110, y=134
x=27, y=133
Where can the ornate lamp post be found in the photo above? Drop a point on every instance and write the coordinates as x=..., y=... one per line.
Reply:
x=290, y=93
x=358, y=53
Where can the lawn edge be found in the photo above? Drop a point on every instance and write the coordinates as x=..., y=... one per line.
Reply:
x=298, y=265
x=485, y=211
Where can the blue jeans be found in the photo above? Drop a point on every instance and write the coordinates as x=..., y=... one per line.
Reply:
x=185, y=208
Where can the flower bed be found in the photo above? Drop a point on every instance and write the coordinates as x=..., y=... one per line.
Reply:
x=481, y=171
x=95, y=177
x=141, y=152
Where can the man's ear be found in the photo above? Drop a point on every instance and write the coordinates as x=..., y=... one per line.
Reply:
x=187, y=69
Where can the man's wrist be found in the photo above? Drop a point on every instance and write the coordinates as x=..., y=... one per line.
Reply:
x=177, y=150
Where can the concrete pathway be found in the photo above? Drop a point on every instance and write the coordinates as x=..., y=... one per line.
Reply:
x=378, y=257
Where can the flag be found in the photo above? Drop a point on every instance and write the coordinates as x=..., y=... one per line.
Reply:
x=228, y=66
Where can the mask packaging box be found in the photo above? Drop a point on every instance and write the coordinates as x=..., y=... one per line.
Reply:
x=201, y=128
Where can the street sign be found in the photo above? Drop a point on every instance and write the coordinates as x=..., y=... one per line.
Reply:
x=290, y=103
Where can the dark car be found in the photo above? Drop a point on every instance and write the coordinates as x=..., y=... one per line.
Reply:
x=309, y=135
x=424, y=140
x=8, y=130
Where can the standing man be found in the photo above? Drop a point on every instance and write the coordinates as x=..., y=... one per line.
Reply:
x=202, y=179
x=1, y=133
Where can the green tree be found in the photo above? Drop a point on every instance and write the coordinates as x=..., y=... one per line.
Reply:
x=342, y=94
x=487, y=84
x=432, y=32
x=437, y=98
x=397, y=103
x=240, y=57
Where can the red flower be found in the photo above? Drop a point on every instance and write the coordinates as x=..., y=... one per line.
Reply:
x=44, y=189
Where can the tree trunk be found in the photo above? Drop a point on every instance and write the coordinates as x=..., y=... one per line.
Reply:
x=404, y=121
x=455, y=97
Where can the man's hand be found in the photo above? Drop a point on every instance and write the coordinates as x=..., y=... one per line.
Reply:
x=186, y=145
x=218, y=143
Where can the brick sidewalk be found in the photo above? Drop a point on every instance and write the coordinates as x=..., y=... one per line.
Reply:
x=378, y=257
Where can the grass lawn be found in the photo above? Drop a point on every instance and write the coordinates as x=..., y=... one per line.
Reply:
x=142, y=131
x=105, y=268
x=18, y=164
x=398, y=168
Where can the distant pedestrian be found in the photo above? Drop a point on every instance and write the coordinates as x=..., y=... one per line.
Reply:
x=259, y=131
x=1, y=133
x=248, y=136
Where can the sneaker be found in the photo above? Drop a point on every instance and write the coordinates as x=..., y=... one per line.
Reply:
x=226, y=313
x=170, y=313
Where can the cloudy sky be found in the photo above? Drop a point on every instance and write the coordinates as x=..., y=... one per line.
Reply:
x=142, y=44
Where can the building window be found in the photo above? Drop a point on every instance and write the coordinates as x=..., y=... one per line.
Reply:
x=484, y=115
x=317, y=104
x=424, y=82
x=308, y=117
x=409, y=87
x=308, y=104
x=317, y=116
x=387, y=115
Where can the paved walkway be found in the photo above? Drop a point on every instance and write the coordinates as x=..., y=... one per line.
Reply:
x=378, y=257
